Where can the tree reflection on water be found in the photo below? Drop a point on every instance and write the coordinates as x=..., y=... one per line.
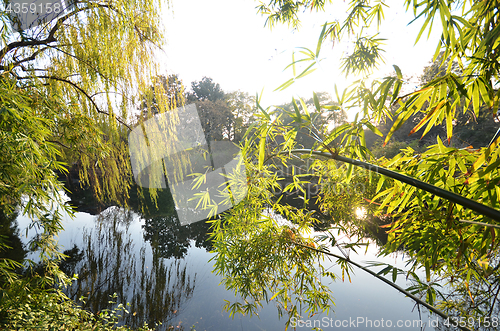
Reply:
x=108, y=262
x=170, y=239
x=163, y=230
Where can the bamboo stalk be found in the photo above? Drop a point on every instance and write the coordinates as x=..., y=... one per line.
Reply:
x=463, y=201
x=397, y=287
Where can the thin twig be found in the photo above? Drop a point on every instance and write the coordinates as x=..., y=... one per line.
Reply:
x=79, y=60
x=59, y=143
x=493, y=303
x=14, y=64
x=480, y=223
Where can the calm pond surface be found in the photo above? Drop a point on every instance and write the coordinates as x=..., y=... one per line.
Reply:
x=164, y=271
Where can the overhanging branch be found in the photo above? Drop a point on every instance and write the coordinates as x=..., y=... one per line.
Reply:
x=85, y=94
x=399, y=288
x=51, y=37
x=463, y=201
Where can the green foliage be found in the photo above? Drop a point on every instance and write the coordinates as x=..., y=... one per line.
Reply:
x=65, y=94
x=257, y=257
x=366, y=53
x=165, y=92
x=393, y=148
x=305, y=127
x=87, y=66
x=437, y=234
x=206, y=89
x=264, y=248
x=35, y=300
x=29, y=159
x=243, y=108
x=216, y=118
x=52, y=310
x=65, y=90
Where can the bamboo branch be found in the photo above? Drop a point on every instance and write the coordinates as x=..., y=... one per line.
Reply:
x=59, y=143
x=397, y=287
x=480, y=223
x=463, y=201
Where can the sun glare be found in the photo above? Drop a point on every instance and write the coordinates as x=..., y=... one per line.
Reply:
x=360, y=212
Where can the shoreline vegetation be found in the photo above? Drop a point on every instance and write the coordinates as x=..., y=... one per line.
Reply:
x=73, y=88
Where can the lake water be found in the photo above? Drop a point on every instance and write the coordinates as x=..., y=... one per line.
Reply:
x=164, y=271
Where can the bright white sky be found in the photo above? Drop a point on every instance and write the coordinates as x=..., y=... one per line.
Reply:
x=227, y=41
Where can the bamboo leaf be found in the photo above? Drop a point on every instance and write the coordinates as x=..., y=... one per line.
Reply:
x=426, y=118
x=475, y=98
x=380, y=183
x=262, y=149
x=483, y=88
x=304, y=106
x=350, y=169
x=257, y=101
x=307, y=71
x=285, y=84
x=320, y=40
x=442, y=148
x=373, y=128
x=381, y=194
x=398, y=123
x=275, y=295
x=422, y=29
x=398, y=72
x=298, y=117
x=449, y=124
x=316, y=102
x=337, y=132
x=484, y=155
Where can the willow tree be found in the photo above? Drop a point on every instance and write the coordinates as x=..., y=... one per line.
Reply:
x=80, y=73
x=67, y=84
x=442, y=205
